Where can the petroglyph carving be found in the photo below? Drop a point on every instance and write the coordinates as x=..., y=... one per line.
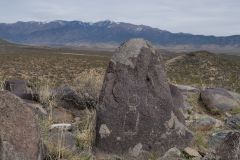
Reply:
x=133, y=102
x=131, y=121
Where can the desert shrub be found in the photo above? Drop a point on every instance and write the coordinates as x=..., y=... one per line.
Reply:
x=88, y=86
x=86, y=130
x=43, y=88
x=2, y=83
x=59, y=152
x=200, y=140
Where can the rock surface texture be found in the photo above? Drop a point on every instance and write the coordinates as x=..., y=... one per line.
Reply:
x=234, y=122
x=136, y=111
x=205, y=123
x=230, y=148
x=217, y=138
x=172, y=154
x=19, y=134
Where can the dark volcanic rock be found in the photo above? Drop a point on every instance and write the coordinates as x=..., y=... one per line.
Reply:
x=218, y=100
x=234, y=122
x=177, y=96
x=217, y=138
x=203, y=122
x=21, y=89
x=230, y=148
x=136, y=112
x=178, y=102
x=172, y=154
x=20, y=137
x=69, y=99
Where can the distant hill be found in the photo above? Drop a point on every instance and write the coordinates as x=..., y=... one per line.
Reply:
x=3, y=42
x=108, y=34
x=202, y=69
x=13, y=48
x=5, y=46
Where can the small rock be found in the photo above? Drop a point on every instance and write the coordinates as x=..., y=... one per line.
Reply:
x=205, y=123
x=192, y=152
x=61, y=126
x=234, y=122
x=62, y=140
x=218, y=100
x=69, y=99
x=186, y=88
x=230, y=147
x=99, y=155
x=209, y=156
x=235, y=95
x=61, y=115
x=227, y=114
x=104, y=131
x=77, y=119
x=21, y=89
x=172, y=154
x=217, y=138
x=136, y=150
x=38, y=108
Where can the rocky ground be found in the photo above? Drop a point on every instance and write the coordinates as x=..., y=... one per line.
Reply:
x=59, y=123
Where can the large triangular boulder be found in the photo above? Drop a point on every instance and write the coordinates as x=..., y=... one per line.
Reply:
x=19, y=133
x=136, y=113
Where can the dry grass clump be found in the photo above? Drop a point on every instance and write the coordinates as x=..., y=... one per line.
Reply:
x=43, y=87
x=90, y=81
x=84, y=135
x=59, y=153
x=88, y=86
x=2, y=83
x=86, y=131
x=200, y=141
x=45, y=96
x=58, y=150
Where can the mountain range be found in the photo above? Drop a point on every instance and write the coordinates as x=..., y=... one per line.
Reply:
x=109, y=34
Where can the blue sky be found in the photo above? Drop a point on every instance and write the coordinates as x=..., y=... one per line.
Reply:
x=208, y=17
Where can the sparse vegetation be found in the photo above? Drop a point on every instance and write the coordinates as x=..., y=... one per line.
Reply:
x=60, y=69
x=2, y=80
x=86, y=131
x=204, y=69
x=88, y=88
x=84, y=74
x=200, y=69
